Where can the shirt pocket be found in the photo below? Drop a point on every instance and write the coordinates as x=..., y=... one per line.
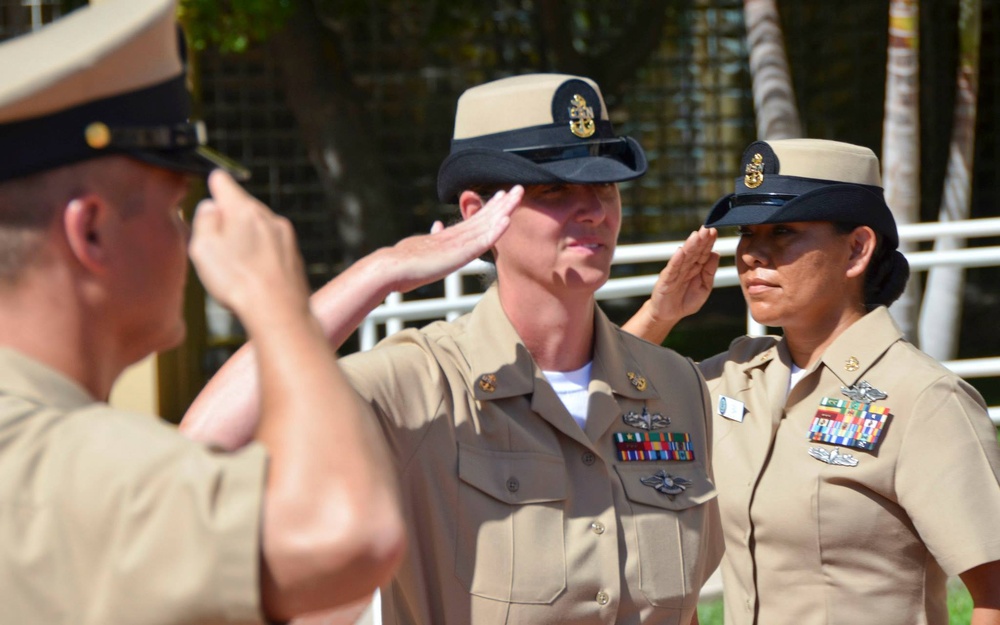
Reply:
x=509, y=543
x=673, y=533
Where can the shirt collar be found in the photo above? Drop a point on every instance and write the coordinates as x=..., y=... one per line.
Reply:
x=500, y=361
x=777, y=352
x=850, y=355
x=617, y=364
x=22, y=376
x=858, y=348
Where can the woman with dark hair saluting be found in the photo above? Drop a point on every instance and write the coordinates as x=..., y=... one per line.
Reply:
x=855, y=473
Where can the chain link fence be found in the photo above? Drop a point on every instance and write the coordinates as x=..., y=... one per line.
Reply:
x=688, y=102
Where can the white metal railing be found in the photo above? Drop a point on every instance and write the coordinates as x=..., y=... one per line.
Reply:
x=395, y=311
x=37, y=16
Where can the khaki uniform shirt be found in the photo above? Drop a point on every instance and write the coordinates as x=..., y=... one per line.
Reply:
x=108, y=517
x=516, y=514
x=811, y=539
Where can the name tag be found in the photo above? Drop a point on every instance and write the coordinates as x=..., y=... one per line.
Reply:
x=731, y=409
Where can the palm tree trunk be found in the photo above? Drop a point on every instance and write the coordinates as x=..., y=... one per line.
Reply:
x=941, y=313
x=773, y=96
x=901, y=140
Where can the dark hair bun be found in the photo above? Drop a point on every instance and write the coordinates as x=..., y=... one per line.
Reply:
x=886, y=279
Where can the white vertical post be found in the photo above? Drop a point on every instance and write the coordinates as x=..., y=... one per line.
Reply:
x=754, y=328
x=452, y=291
x=393, y=324
x=36, y=12
x=368, y=334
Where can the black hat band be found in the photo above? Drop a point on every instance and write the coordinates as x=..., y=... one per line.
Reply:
x=174, y=137
x=547, y=135
x=791, y=185
x=154, y=118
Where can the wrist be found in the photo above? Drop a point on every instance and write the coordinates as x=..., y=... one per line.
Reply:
x=658, y=321
x=382, y=271
x=342, y=303
x=275, y=311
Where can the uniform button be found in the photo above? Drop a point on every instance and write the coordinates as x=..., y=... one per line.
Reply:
x=603, y=598
x=589, y=458
x=598, y=527
x=749, y=605
x=513, y=484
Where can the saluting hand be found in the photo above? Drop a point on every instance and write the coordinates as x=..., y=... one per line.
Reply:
x=245, y=255
x=422, y=259
x=681, y=289
x=684, y=285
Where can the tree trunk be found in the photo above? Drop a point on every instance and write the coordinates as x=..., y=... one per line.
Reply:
x=773, y=95
x=941, y=314
x=614, y=67
x=901, y=141
x=329, y=109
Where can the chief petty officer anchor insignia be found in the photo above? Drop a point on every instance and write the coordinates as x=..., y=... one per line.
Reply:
x=649, y=445
x=855, y=422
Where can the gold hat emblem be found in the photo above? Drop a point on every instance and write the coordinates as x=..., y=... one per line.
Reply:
x=98, y=135
x=852, y=364
x=581, y=117
x=754, y=172
x=637, y=381
x=488, y=382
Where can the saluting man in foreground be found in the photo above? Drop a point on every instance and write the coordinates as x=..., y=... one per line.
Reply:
x=108, y=517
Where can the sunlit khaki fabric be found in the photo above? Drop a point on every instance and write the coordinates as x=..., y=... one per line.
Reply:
x=517, y=515
x=812, y=543
x=108, y=517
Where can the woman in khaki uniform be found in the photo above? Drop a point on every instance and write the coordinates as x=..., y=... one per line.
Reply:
x=555, y=468
x=855, y=473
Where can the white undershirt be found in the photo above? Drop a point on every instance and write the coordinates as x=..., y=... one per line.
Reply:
x=797, y=374
x=572, y=387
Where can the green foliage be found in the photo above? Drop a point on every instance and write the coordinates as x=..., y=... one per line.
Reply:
x=959, y=603
x=232, y=25
x=710, y=612
x=959, y=607
x=229, y=25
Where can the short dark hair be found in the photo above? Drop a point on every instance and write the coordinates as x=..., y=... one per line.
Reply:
x=29, y=204
x=27, y=207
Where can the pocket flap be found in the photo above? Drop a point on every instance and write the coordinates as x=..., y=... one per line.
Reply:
x=513, y=477
x=697, y=488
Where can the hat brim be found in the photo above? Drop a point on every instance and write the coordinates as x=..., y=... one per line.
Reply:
x=478, y=167
x=199, y=161
x=837, y=203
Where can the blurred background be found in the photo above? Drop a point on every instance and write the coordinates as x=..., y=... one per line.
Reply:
x=343, y=111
